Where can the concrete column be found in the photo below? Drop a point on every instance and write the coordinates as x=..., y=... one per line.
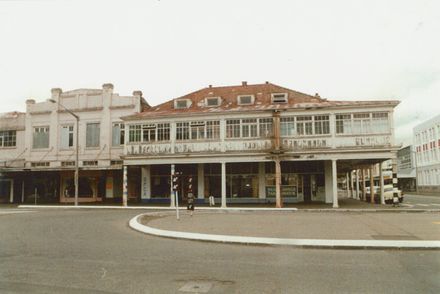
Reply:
x=382, y=199
x=222, y=135
x=347, y=179
x=223, y=185
x=11, y=193
x=124, y=187
x=172, y=200
x=352, y=184
x=146, y=182
x=328, y=182
x=371, y=184
x=357, y=185
x=22, y=192
x=261, y=180
x=363, y=183
x=200, y=181
x=279, y=201
x=335, y=184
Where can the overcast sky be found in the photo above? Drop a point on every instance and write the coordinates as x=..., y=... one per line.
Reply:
x=344, y=50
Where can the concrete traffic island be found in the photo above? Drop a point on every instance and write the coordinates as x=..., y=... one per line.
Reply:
x=350, y=230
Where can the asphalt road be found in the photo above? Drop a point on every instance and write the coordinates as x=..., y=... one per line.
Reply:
x=422, y=201
x=94, y=251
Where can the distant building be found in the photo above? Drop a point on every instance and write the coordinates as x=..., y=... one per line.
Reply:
x=406, y=169
x=37, y=148
x=427, y=147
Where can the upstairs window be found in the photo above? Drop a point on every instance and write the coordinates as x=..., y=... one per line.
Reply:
x=182, y=131
x=213, y=129
x=66, y=137
x=212, y=101
x=148, y=132
x=322, y=124
x=92, y=135
x=343, y=124
x=279, y=98
x=40, y=137
x=380, y=123
x=233, y=128
x=249, y=128
x=245, y=99
x=8, y=138
x=361, y=123
x=182, y=103
x=118, y=134
x=304, y=125
x=266, y=126
x=197, y=130
x=287, y=125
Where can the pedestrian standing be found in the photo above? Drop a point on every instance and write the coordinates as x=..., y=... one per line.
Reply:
x=190, y=206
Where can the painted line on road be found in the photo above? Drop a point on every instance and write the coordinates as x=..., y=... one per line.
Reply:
x=4, y=212
x=234, y=209
x=135, y=224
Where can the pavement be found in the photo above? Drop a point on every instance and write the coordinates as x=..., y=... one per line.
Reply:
x=354, y=225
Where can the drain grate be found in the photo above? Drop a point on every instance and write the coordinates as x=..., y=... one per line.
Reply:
x=196, y=287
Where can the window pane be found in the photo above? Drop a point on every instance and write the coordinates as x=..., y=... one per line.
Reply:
x=92, y=135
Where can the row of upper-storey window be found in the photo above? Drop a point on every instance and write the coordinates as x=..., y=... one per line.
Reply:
x=305, y=125
x=40, y=136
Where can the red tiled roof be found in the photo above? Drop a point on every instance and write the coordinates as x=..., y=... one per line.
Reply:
x=263, y=101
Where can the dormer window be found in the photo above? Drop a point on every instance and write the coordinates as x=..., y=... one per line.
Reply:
x=279, y=98
x=182, y=103
x=245, y=99
x=212, y=101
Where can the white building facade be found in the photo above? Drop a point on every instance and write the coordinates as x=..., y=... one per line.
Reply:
x=38, y=147
x=255, y=144
x=427, y=148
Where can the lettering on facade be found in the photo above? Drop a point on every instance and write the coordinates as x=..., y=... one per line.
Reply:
x=372, y=141
x=148, y=149
x=305, y=144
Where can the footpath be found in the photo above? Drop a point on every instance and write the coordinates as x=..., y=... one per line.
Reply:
x=355, y=225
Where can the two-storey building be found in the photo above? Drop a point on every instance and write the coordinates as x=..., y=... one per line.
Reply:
x=38, y=148
x=254, y=143
x=427, y=147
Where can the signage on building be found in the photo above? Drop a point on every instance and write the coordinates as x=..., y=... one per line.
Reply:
x=286, y=191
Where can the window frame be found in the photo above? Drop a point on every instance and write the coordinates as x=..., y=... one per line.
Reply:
x=240, y=97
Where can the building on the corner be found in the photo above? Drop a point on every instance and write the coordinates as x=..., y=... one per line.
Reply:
x=37, y=148
x=427, y=148
x=406, y=169
x=244, y=143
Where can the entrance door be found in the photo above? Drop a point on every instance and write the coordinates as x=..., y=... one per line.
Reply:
x=307, y=189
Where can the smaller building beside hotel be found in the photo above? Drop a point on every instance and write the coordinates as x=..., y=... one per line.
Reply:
x=427, y=148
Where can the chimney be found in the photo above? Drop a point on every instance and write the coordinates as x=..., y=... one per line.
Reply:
x=107, y=87
x=56, y=92
x=210, y=86
x=267, y=82
x=317, y=95
x=244, y=83
x=137, y=93
x=30, y=101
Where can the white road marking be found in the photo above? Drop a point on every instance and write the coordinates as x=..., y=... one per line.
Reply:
x=424, y=205
x=10, y=211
